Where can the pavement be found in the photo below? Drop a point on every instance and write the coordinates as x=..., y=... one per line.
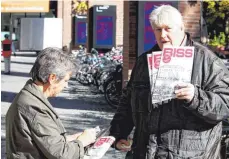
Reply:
x=79, y=107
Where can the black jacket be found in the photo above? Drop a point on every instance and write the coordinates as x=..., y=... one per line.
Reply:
x=176, y=129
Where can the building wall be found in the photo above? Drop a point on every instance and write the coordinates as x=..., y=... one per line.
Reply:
x=191, y=15
x=64, y=12
x=130, y=37
x=126, y=44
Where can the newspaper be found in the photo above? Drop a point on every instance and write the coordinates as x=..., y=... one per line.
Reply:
x=150, y=65
x=156, y=58
x=175, y=66
x=100, y=147
x=153, y=65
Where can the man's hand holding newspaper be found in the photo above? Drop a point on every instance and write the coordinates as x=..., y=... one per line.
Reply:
x=184, y=91
x=87, y=137
x=124, y=145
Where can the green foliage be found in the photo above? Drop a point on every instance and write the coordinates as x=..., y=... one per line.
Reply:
x=216, y=13
x=217, y=9
x=218, y=40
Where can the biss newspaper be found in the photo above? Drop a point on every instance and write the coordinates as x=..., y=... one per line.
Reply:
x=167, y=68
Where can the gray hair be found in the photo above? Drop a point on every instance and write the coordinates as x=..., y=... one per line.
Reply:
x=166, y=15
x=52, y=60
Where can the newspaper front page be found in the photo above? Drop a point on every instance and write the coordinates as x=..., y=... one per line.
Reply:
x=175, y=67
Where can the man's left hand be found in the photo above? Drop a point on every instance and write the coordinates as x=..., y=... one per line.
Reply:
x=185, y=91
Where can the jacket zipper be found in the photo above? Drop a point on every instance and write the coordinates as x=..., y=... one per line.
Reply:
x=158, y=125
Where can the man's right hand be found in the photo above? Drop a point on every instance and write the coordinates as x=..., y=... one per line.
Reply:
x=123, y=145
x=87, y=137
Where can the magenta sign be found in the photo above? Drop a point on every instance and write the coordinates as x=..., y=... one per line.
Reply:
x=81, y=35
x=104, y=30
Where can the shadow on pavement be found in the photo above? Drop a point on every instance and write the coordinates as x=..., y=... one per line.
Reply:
x=3, y=147
x=20, y=74
x=26, y=54
x=7, y=96
x=80, y=97
x=85, y=120
x=80, y=103
x=24, y=63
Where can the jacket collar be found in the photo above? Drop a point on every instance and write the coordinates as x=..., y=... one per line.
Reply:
x=189, y=41
x=31, y=87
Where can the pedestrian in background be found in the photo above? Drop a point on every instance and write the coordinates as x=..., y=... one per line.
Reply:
x=33, y=128
x=186, y=127
x=7, y=49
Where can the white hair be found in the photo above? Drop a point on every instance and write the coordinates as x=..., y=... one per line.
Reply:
x=166, y=15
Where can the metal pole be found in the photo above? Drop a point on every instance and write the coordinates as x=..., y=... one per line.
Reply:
x=11, y=26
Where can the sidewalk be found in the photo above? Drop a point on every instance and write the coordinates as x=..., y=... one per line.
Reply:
x=79, y=107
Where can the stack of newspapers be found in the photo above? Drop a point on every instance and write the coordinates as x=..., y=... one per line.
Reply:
x=99, y=148
x=167, y=68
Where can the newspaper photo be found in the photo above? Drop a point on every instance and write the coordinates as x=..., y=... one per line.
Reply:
x=175, y=67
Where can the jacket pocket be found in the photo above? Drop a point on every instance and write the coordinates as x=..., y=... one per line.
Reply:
x=190, y=144
x=141, y=97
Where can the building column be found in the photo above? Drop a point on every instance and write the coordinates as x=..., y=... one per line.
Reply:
x=64, y=12
x=129, y=37
x=126, y=27
x=191, y=12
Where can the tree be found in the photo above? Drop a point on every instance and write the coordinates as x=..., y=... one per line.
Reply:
x=79, y=7
x=216, y=14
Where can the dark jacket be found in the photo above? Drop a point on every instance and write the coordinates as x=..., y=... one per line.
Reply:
x=176, y=129
x=34, y=130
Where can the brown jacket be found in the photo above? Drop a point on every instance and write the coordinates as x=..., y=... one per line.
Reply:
x=34, y=130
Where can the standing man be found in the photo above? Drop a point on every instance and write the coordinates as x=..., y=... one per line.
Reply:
x=188, y=126
x=7, y=48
